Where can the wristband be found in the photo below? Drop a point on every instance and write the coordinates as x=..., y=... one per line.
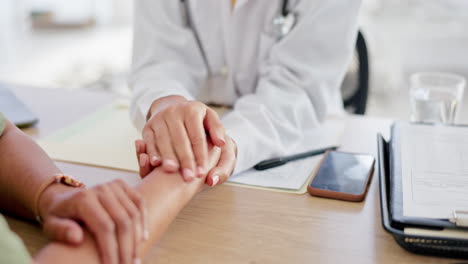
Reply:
x=57, y=178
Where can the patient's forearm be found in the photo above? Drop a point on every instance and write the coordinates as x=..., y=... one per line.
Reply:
x=165, y=195
x=24, y=166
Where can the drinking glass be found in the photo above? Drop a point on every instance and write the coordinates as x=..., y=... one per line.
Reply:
x=435, y=97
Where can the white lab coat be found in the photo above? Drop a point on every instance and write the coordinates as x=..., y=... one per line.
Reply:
x=279, y=88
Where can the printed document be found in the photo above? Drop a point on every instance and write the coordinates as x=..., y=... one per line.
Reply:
x=434, y=163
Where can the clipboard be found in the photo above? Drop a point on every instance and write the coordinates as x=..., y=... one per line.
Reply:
x=396, y=190
x=419, y=244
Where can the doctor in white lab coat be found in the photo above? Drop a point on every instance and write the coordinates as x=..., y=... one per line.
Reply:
x=228, y=52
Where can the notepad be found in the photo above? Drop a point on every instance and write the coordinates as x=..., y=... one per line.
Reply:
x=106, y=139
x=294, y=176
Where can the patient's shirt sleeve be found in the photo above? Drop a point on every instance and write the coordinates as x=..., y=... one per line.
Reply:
x=12, y=249
x=2, y=123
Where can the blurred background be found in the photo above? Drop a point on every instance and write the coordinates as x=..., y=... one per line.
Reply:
x=86, y=44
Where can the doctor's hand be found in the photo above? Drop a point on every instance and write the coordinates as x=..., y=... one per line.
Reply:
x=218, y=175
x=225, y=165
x=143, y=158
x=176, y=136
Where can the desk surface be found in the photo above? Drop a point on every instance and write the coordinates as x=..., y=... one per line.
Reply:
x=229, y=224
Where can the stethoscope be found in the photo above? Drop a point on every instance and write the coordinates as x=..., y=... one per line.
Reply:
x=282, y=24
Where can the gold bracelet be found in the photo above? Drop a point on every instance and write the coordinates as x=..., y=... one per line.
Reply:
x=57, y=178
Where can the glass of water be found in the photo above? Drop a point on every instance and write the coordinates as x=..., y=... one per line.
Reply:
x=435, y=97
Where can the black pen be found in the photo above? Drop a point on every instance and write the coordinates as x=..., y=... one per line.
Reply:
x=275, y=162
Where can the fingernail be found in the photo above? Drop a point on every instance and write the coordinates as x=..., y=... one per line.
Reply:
x=188, y=174
x=215, y=180
x=137, y=261
x=170, y=163
x=154, y=159
x=221, y=136
x=146, y=235
x=201, y=171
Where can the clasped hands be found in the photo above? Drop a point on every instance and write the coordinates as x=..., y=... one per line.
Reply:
x=176, y=137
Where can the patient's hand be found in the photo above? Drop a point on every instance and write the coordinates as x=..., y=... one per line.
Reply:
x=217, y=175
x=113, y=212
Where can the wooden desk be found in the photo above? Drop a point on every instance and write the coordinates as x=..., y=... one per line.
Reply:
x=230, y=224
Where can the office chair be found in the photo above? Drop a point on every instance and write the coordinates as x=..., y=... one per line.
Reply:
x=355, y=86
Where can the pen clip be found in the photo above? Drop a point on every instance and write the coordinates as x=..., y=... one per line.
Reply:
x=460, y=218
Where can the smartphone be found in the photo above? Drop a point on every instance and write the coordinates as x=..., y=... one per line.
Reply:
x=343, y=176
x=15, y=110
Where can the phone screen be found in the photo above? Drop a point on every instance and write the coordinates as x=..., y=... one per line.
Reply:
x=344, y=172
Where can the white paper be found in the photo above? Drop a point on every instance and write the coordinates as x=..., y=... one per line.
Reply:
x=434, y=170
x=289, y=176
x=451, y=233
x=293, y=175
x=104, y=138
